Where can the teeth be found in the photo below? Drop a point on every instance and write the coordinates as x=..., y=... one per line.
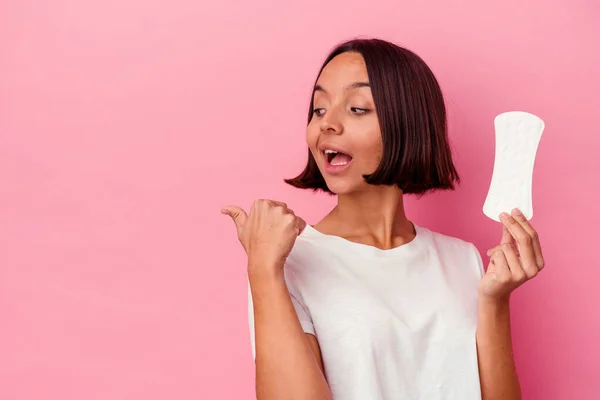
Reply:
x=342, y=163
x=330, y=151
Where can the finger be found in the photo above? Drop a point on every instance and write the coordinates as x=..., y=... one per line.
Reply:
x=506, y=236
x=537, y=247
x=238, y=216
x=524, y=240
x=514, y=264
x=501, y=269
x=492, y=250
x=279, y=203
x=499, y=248
x=300, y=224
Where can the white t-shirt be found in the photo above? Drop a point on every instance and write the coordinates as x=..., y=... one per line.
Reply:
x=391, y=324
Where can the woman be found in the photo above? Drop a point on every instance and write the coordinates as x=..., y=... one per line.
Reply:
x=366, y=304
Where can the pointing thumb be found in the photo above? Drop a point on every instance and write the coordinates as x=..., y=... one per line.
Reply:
x=238, y=216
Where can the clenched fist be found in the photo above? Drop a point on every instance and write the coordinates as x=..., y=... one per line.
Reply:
x=267, y=234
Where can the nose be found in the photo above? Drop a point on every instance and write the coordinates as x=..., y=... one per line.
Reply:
x=330, y=123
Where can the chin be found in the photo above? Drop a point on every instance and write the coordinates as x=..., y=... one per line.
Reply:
x=341, y=186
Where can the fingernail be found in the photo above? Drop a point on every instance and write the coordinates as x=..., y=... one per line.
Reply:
x=516, y=211
x=503, y=215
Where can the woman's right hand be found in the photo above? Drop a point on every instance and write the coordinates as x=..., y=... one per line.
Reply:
x=267, y=234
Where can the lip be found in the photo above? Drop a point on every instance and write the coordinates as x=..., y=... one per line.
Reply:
x=326, y=146
x=330, y=168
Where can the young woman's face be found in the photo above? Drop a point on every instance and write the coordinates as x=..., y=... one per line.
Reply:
x=343, y=134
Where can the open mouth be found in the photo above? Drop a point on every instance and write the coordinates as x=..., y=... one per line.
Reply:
x=336, y=158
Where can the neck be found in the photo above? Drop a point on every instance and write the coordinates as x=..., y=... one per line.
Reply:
x=377, y=213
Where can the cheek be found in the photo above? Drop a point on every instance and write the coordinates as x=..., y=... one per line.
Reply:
x=311, y=135
x=371, y=148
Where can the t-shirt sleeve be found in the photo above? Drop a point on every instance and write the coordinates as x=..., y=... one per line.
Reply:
x=301, y=311
x=303, y=316
x=297, y=300
x=478, y=261
x=251, y=322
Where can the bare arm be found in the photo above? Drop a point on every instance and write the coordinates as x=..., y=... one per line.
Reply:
x=497, y=370
x=288, y=362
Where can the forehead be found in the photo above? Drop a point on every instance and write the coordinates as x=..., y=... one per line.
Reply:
x=343, y=69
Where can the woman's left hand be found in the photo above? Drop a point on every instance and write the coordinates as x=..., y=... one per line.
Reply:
x=517, y=259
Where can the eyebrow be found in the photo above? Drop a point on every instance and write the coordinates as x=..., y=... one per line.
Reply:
x=355, y=85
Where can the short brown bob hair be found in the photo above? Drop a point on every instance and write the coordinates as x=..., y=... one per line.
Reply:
x=412, y=117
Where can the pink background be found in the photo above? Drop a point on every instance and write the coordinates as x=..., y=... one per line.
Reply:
x=125, y=125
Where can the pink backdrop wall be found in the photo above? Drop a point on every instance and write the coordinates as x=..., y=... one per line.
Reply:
x=125, y=125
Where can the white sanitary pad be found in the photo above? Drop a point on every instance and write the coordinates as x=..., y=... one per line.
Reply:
x=517, y=137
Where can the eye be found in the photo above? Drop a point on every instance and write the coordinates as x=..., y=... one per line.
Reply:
x=359, y=111
x=318, y=111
